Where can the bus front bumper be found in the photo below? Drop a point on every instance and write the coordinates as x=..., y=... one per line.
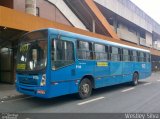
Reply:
x=35, y=91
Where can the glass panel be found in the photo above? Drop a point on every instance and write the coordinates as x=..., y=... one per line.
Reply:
x=147, y=57
x=32, y=55
x=100, y=52
x=101, y=56
x=62, y=53
x=99, y=48
x=126, y=56
x=115, y=56
x=32, y=51
x=134, y=57
x=84, y=50
x=114, y=50
x=141, y=57
x=83, y=45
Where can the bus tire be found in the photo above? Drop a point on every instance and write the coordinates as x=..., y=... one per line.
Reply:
x=135, y=79
x=85, y=88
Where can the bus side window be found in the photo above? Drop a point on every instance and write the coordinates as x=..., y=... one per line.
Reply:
x=141, y=56
x=126, y=56
x=62, y=53
x=84, y=50
x=131, y=55
x=144, y=58
x=115, y=56
x=134, y=56
x=120, y=52
x=53, y=50
x=147, y=57
x=101, y=52
x=109, y=52
x=138, y=56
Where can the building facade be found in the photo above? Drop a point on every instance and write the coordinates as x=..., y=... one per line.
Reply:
x=131, y=25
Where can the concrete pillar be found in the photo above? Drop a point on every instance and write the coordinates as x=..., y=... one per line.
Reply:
x=93, y=26
x=30, y=7
x=138, y=36
x=115, y=23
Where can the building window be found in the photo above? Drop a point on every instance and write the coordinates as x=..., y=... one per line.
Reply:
x=130, y=29
x=143, y=35
x=37, y=11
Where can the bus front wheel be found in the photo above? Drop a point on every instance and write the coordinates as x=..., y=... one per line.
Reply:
x=85, y=88
x=135, y=79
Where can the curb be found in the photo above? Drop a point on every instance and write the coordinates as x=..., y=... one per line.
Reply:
x=12, y=97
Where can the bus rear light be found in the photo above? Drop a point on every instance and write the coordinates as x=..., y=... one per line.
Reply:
x=41, y=92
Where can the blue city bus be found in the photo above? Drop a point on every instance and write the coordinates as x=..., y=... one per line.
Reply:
x=52, y=62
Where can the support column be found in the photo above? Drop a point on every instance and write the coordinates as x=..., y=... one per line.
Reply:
x=115, y=23
x=101, y=18
x=139, y=40
x=93, y=26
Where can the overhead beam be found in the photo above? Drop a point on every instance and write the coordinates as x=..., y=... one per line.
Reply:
x=67, y=12
x=27, y=22
x=101, y=18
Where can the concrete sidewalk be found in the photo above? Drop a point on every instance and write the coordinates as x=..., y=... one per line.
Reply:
x=8, y=91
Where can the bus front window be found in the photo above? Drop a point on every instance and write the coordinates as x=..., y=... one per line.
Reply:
x=32, y=55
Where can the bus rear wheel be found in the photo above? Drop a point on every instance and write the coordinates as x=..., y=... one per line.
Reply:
x=85, y=88
x=135, y=79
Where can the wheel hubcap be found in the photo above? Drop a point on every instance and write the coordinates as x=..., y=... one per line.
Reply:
x=136, y=80
x=85, y=88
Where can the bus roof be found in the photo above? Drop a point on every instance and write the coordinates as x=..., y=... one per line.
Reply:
x=91, y=39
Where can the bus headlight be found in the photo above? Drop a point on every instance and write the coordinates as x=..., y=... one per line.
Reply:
x=43, y=80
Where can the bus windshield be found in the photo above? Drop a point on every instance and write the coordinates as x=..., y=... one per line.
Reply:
x=32, y=55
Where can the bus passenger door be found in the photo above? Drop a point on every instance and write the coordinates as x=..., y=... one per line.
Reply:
x=63, y=65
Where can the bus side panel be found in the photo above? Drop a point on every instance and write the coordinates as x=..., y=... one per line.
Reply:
x=66, y=80
x=82, y=68
x=59, y=89
x=142, y=69
x=145, y=70
x=61, y=80
x=109, y=76
x=101, y=72
x=114, y=74
x=127, y=72
x=112, y=80
x=148, y=70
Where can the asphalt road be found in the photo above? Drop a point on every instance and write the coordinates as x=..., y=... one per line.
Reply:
x=123, y=98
